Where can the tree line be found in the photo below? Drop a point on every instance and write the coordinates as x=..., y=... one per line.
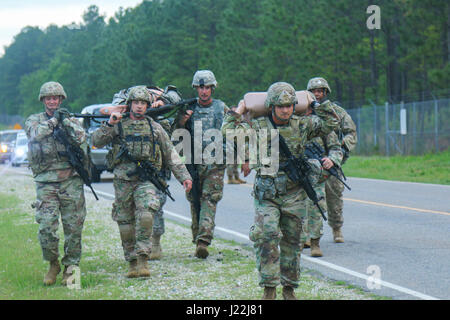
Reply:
x=247, y=44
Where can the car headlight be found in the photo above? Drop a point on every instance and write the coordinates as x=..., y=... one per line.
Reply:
x=4, y=148
x=20, y=152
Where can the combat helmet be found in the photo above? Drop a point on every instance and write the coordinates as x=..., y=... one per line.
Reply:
x=51, y=88
x=139, y=93
x=318, y=83
x=204, y=78
x=280, y=94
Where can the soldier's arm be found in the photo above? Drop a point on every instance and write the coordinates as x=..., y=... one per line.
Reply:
x=170, y=156
x=75, y=130
x=37, y=130
x=104, y=135
x=348, y=128
x=321, y=124
x=334, y=149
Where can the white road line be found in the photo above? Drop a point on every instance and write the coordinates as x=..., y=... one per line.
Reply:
x=320, y=262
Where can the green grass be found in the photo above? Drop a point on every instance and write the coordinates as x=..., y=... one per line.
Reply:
x=429, y=168
x=229, y=273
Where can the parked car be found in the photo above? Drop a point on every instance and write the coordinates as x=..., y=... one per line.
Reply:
x=20, y=155
x=7, y=144
x=98, y=155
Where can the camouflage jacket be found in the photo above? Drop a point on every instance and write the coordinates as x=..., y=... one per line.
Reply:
x=169, y=157
x=346, y=131
x=297, y=132
x=332, y=148
x=210, y=117
x=45, y=153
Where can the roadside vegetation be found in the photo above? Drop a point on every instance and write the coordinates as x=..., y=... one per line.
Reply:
x=229, y=273
x=429, y=168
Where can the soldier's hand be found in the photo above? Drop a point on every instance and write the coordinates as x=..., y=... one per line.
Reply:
x=245, y=168
x=327, y=164
x=157, y=104
x=186, y=117
x=61, y=113
x=187, y=184
x=242, y=108
x=115, y=118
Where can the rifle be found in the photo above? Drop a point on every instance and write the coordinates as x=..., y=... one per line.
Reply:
x=195, y=191
x=297, y=170
x=315, y=151
x=145, y=171
x=75, y=155
x=166, y=110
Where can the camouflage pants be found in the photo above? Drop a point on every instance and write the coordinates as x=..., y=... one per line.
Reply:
x=158, y=219
x=276, y=235
x=313, y=225
x=135, y=205
x=335, y=202
x=232, y=170
x=211, y=186
x=64, y=198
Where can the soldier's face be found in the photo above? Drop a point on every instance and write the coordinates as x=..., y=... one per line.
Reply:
x=284, y=113
x=319, y=93
x=51, y=104
x=138, y=108
x=204, y=93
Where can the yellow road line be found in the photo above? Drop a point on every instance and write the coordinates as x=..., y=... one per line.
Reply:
x=396, y=206
x=383, y=204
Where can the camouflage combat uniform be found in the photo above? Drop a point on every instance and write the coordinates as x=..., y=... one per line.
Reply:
x=210, y=175
x=136, y=202
x=59, y=189
x=312, y=225
x=169, y=95
x=280, y=204
x=334, y=189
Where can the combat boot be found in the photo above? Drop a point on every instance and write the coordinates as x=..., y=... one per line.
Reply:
x=155, y=254
x=53, y=271
x=307, y=244
x=202, y=249
x=142, y=266
x=288, y=293
x=337, y=235
x=270, y=293
x=315, y=248
x=132, y=269
x=65, y=276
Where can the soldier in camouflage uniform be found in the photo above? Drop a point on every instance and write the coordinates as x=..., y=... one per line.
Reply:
x=137, y=201
x=209, y=113
x=59, y=189
x=280, y=204
x=160, y=97
x=312, y=225
x=346, y=132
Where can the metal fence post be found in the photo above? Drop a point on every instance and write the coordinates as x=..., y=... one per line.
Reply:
x=386, y=119
x=436, y=125
x=414, y=133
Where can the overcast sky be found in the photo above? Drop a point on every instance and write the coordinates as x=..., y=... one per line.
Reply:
x=17, y=14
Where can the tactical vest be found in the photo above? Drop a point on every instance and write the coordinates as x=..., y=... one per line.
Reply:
x=47, y=154
x=140, y=140
x=211, y=117
x=270, y=186
x=292, y=133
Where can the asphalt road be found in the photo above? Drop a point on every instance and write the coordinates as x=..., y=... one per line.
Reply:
x=397, y=241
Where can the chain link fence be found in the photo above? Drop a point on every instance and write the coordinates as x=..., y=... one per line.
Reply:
x=412, y=128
